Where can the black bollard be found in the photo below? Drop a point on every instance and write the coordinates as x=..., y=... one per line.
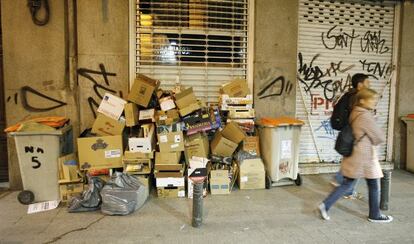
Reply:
x=197, y=204
x=385, y=189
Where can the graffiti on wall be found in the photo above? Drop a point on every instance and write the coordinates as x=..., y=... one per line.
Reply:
x=313, y=77
x=97, y=87
x=26, y=91
x=369, y=42
x=273, y=84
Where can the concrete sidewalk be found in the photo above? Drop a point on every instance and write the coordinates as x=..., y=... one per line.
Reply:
x=279, y=215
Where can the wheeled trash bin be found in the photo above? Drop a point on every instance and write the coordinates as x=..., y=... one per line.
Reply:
x=38, y=154
x=279, y=146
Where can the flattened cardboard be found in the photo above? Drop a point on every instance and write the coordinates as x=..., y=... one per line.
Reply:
x=142, y=90
x=131, y=114
x=112, y=106
x=233, y=132
x=105, y=126
x=100, y=152
x=251, y=145
x=236, y=88
x=221, y=146
x=171, y=142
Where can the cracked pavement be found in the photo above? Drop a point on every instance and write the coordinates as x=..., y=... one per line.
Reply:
x=279, y=215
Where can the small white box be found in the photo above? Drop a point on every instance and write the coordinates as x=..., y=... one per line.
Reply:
x=144, y=144
x=112, y=106
x=170, y=182
x=167, y=103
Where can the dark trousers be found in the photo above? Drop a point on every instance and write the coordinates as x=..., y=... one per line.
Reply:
x=347, y=183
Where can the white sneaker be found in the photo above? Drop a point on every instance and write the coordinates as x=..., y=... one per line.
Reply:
x=382, y=219
x=323, y=212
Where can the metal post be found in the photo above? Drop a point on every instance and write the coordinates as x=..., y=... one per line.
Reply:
x=385, y=189
x=197, y=204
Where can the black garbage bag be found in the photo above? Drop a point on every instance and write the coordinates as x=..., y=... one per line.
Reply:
x=90, y=200
x=123, y=194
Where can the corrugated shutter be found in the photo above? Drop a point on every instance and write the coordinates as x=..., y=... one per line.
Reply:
x=198, y=43
x=336, y=40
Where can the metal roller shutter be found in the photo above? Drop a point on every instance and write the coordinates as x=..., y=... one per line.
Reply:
x=197, y=43
x=336, y=40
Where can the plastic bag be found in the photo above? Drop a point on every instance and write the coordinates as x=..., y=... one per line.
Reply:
x=90, y=199
x=123, y=194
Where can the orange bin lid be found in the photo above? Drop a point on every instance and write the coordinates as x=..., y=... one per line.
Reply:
x=280, y=121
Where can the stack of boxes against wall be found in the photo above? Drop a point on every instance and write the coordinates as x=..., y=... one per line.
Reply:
x=169, y=134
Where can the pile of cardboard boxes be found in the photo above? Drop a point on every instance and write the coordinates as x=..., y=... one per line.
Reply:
x=170, y=136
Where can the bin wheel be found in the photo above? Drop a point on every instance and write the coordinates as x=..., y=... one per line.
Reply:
x=268, y=182
x=25, y=197
x=298, y=180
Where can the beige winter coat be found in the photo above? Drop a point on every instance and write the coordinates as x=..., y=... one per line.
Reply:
x=363, y=163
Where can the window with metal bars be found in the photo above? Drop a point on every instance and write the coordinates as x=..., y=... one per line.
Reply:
x=200, y=43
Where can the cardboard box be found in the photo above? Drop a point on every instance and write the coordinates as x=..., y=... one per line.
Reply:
x=251, y=145
x=242, y=113
x=171, y=142
x=219, y=182
x=131, y=114
x=186, y=102
x=68, y=169
x=137, y=165
x=147, y=115
x=190, y=108
x=68, y=191
x=171, y=192
x=166, y=117
x=196, y=145
x=105, y=126
x=185, y=98
x=221, y=146
x=100, y=152
x=169, y=181
x=233, y=132
x=166, y=103
x=251, y=174
x=145, y=144
x=162, y=158
x=112, y=106
x=135, y=155
x=142, y=90
x=236, y=88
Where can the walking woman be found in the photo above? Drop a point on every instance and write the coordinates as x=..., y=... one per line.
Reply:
x=363, y=162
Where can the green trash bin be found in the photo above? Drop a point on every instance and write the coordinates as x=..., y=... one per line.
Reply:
x=38, y=154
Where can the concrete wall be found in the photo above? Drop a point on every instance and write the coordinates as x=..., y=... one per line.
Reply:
x=34, y=69
x=43, y=59
x=276, y=33
x=405, y=85
x=102, y=44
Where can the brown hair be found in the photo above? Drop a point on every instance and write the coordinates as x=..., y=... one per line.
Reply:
x=365, y=93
